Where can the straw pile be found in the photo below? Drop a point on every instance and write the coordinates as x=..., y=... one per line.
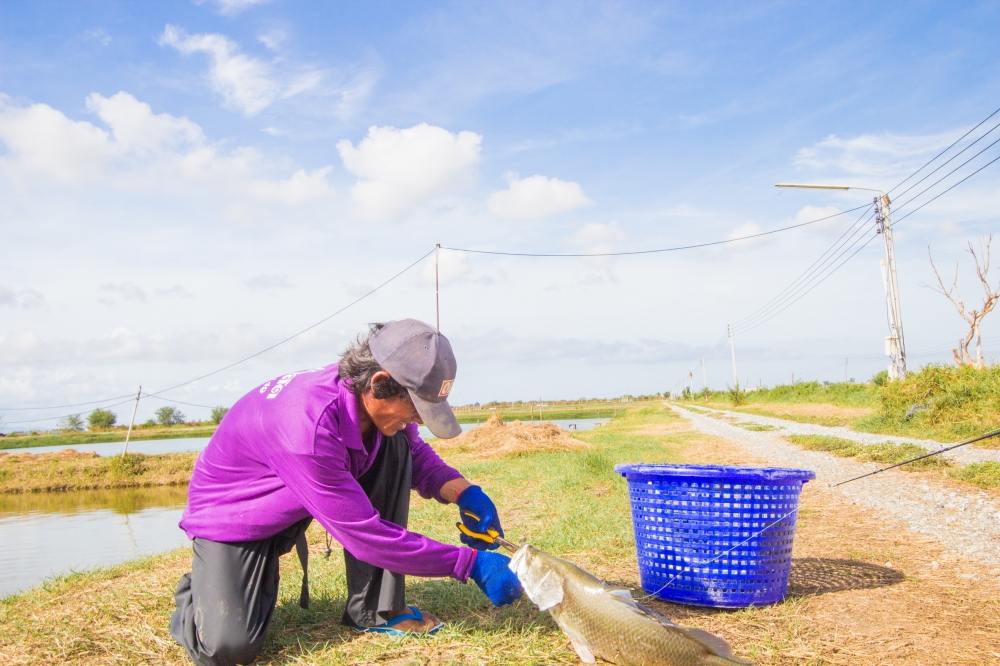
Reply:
x=496, y=439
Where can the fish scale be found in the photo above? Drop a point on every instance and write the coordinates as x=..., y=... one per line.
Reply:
x=604, y=622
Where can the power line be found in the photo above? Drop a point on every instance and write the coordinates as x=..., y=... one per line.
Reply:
x=815, y=284
x=66, y=405
x=297, y=333
x=676, y=248
x=817, y=265
x=939, y=195
x=953, y=144
x=948, y=161
x=158, y=394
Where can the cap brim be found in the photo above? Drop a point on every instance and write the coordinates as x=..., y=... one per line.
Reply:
x=437, y=416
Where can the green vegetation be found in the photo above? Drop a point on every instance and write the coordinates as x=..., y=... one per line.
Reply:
x=169, y=416
x=101, y=419
x=72, y=423
x=32, y=472
x=888, y=454
x=218, y=413
x=982, y=474
x=939, y=402
x=529, y=411
x=756, y=427
x=146, y=431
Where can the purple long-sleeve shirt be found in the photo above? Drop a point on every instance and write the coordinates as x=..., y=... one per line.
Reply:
x=292, y=448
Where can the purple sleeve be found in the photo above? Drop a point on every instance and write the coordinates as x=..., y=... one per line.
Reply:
x=325, y=487
x=429, y=471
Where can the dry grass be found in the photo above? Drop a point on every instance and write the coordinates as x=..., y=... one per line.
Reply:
x=863, y=590
x=72, y=470
x=496, y=439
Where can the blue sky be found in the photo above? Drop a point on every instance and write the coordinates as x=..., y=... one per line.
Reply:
x=188, y=182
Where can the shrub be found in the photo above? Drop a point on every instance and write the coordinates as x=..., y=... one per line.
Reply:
x=169, y=416
x=127, y=466
x=101, y=419
x=218, y=413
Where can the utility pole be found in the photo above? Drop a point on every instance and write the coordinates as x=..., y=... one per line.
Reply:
x=895, y=346
x=437, y=288
x=732, y=349
x=846, y=379
x=704, y=380
x=135, y=408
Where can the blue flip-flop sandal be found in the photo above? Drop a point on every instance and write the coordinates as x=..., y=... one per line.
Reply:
x=389, y=626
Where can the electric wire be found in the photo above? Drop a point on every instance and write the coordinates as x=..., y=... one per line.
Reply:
x=676, y=248
x=804, y=276
x=953, y=144
x=940, y=194
x=948, y=161
x=899, y=207
x=810, y=281
x=158, y=393
x=816, y=283
x=67, y=405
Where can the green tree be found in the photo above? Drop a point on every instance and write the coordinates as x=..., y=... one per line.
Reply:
x=72, y=422
x=101, y=419
x=218, y=413
x=169, y=416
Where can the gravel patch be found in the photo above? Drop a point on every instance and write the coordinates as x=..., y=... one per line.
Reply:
x=963, y=522
x=964, y=455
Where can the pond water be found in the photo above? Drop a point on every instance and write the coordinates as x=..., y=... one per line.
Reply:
x=187, y=444
x=53, y=534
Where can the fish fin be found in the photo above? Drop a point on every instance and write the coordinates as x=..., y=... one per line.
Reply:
x=583, y=652
x=580, y=645
x=716, y=645
x=549, y=591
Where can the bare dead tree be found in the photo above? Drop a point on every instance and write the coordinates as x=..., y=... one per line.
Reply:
x=972, y=316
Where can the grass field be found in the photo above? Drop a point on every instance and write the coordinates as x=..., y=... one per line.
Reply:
x=859, y=593
x=114, y=435
x=32, y=473
x=938, y=402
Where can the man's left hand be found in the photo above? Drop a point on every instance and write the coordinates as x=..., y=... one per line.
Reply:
x=475, y=501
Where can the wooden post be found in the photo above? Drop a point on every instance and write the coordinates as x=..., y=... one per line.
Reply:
x=131, y=423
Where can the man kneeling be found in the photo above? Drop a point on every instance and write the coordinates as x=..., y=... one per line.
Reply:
x=339, y=444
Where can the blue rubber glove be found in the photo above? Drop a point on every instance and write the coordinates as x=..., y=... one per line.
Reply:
x=475, y=500
x=494, y=577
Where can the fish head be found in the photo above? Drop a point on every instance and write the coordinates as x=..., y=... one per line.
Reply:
x=539, y=575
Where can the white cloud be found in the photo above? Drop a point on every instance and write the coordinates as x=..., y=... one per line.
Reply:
x=746, y=229
x=251, y=85
x=244, y=82
x=233, y=7
x=142, y=151
x=25, y=299
x=876, y=159
x=536, y=197
x=273, y=39
x=125, y=291
x=269, y=282
x=399, y=168
x=597, y=237
x=99, y=35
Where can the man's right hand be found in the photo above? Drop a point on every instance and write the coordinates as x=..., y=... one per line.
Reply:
x=494, y=577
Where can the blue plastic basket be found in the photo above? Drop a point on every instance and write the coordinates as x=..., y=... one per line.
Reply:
x=698, y=531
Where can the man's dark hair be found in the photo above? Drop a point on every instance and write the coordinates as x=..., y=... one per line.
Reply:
x=358, y=366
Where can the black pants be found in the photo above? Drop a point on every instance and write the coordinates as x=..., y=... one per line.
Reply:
x=225, y=604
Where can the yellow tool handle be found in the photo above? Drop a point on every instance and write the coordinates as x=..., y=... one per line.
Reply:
x=489, y=536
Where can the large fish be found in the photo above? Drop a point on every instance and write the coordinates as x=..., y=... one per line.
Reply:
x=602, y=621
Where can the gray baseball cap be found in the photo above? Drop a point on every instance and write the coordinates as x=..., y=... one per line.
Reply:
x=420, y=358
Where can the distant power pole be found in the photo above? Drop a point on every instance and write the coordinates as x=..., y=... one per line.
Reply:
x=895, y=345
x=732, y=349
x=704, y=380
x=846, y=359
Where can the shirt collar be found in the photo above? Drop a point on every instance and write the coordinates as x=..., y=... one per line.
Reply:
x=350, y=421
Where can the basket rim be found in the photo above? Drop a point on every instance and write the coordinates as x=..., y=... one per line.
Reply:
x=721, y=472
